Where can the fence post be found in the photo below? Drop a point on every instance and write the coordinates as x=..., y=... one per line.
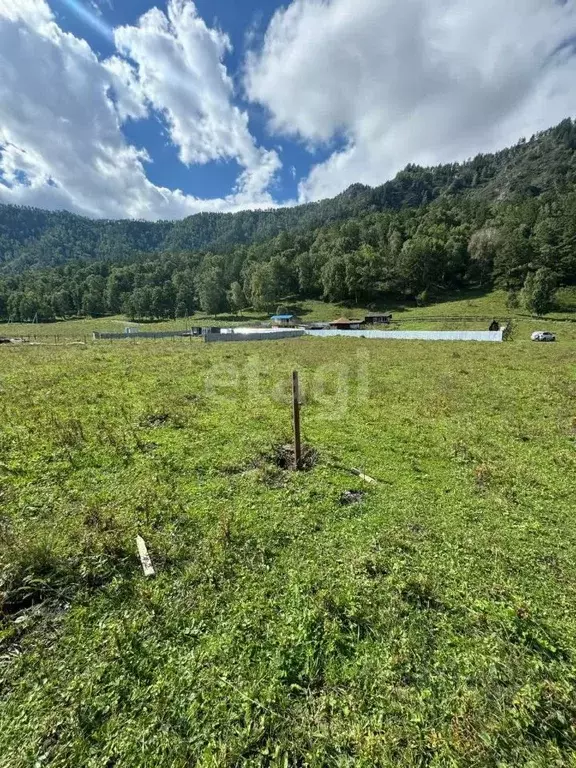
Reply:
x=296, y=416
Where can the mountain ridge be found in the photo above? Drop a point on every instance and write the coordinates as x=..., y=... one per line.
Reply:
x=31, y=237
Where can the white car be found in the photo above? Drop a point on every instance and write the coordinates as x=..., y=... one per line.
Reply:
x=543, y=336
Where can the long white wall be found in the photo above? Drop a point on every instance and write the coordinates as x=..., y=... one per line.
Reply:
x=419, y=335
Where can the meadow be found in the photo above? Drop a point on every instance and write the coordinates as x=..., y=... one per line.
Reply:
x=297, y=618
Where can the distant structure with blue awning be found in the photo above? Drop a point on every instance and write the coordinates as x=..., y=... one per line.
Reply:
x=283, y=319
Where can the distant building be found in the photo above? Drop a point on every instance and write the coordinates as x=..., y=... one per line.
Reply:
x=283, y=320
x=378, y=318
x=343, y=324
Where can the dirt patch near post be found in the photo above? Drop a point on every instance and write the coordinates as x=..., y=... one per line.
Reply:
x=284, y=458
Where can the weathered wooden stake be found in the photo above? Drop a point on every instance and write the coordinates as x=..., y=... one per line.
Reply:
x=296, y=412
x=364, y=477
x=145, y=557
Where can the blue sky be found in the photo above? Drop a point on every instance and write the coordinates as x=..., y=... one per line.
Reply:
x=142, y=109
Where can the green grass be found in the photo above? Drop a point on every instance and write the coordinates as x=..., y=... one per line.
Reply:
x=434, y=623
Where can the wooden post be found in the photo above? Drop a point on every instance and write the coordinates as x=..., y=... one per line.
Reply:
x=144, y=557
x=296, y=414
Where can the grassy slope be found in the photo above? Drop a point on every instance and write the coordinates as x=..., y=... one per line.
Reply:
x=445, y=314
x=434, y=623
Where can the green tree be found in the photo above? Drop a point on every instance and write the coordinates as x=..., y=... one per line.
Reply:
x=354, y=275
x=363, y=271
x=482, y=250
x=184, y=302
x=118, y=284
x=421, y=264
x=283, y=276
x=308, y=275
x=513, y=259
x=139, y=303
x=395, y=242
x=157, y=305
x=93, y=302
x=334, y=279
x=33, y=307
x=350, y=237
x=539, y=291
x=13, y=305
x=211, y=291
x=236, y=298
x=263, y=287
x=62, y=303
x=513, y=300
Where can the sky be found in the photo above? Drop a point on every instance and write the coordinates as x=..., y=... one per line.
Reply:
x=159, y=110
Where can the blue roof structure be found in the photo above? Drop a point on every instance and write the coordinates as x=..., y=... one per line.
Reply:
x=282, y=317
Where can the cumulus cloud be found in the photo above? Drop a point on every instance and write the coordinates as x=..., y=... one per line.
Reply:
x=31, y=11
x=180, y=69
x=61, y=114
x=424, y=81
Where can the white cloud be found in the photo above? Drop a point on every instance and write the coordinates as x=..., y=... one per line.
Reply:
x=32, y=11
x=424, y=81
x=127, y=93
x=61, y=112
x=180, y=69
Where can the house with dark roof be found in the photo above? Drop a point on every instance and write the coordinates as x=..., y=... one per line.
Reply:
x=378, y=318
x=343, y=324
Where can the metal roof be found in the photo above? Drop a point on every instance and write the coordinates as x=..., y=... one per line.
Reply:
x=282, y=317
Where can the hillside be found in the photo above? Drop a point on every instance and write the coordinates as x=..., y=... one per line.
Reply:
x=30, y=237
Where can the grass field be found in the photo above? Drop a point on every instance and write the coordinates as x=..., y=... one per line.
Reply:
x=430, y=623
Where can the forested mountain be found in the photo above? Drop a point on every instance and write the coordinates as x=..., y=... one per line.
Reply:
x=507, y=218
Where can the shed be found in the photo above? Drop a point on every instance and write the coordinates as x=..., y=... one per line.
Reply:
x=343, y=324
x=283, y=319
x=378, y=318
